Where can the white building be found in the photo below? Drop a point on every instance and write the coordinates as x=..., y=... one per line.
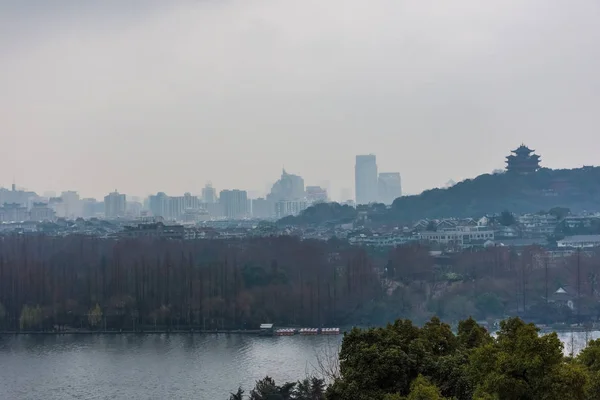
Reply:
x=115, y=205
x=460, y=236
x=72, y=204
x=365, y=179
x=579, y=241
x=285, y=208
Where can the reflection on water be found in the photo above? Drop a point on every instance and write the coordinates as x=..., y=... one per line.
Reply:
x=575, y=341
x=150, y=366
x=162, y=366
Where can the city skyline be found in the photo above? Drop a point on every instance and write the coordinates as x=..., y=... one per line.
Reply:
x=103, y=94
x=207, y=187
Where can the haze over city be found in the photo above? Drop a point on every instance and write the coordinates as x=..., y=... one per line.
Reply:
x=164, y=96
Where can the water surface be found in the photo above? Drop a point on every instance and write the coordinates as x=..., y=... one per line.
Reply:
x=162, y=367
x=151, y=366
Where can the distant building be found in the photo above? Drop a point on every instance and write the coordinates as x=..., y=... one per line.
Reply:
x=288, y=187
x=73, y=207
x=13, y=212
x=263, y=208
x=89, y=208
x=58, y=206
x=459, y=237
x=316, y=194
x=21, y=197
x=389, y=187
x=159, y=205
x=174, y=208
x=155, y=230
x=133, y=209
x=214, y=209
x=522, y=161
x=41, y=212
x=285, y=208
x=209, y=194
x=235, y=203
x=115, y=205
x=579, y=241
x=365, y=179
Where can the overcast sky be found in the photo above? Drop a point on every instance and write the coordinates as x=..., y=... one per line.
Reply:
x=167, y=95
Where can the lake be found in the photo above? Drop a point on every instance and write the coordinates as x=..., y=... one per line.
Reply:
x=177, y=366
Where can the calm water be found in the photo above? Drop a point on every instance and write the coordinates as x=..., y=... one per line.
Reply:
x=150, y=366
x=160, y=366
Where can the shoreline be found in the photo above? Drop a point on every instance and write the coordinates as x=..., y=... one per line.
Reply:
x=158, y=332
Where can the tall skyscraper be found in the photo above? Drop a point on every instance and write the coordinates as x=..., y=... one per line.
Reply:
x=209, y=194
x=115, y=205
x=159, y=205
x=390, y=187
x=288, y=187
x=235, y=203
x=365, y=179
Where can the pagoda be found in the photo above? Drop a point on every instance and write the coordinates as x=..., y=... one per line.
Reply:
x=522, y=161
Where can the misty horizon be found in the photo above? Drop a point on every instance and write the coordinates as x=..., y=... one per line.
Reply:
x=146, y=96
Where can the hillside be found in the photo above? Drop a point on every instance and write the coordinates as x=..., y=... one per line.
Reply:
x=577, y=189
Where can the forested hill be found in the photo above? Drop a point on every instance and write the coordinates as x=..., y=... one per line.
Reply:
x=577, y=189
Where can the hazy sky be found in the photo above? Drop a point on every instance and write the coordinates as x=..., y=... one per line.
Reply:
x=166, y=95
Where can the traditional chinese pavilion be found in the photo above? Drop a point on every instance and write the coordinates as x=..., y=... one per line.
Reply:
x=522, y=161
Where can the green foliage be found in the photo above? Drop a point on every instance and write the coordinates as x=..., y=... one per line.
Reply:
x=404, y=362
x=266, y=389
x=238, y=395
x=95, y=316
x=31, y=317
x=559, y=212
x=322, y=213
x=507, y=218
x=422, y=389
x=521, y=364
x=574, y=190
x=489, y=304
x=470, y=335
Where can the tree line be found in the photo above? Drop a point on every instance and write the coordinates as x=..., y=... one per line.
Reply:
x=404, y=362
x=576, y=189
x=135, y=284
x=50, y=283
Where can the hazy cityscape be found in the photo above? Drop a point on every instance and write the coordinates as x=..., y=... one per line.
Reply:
x=288, y=196
x=309, y=200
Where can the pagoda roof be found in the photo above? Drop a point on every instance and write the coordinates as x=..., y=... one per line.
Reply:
x=522, y=149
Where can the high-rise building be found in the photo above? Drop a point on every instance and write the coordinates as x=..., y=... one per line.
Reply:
x=288, y=187
x=89, y=208
x=285, y=208
x=72, y=203
x=209, y=194
x=173, y=207
x=235, y=203
x=263, y=208
x=115, y=205
x=390, y=187
x=159, y=205
x=365, y=179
